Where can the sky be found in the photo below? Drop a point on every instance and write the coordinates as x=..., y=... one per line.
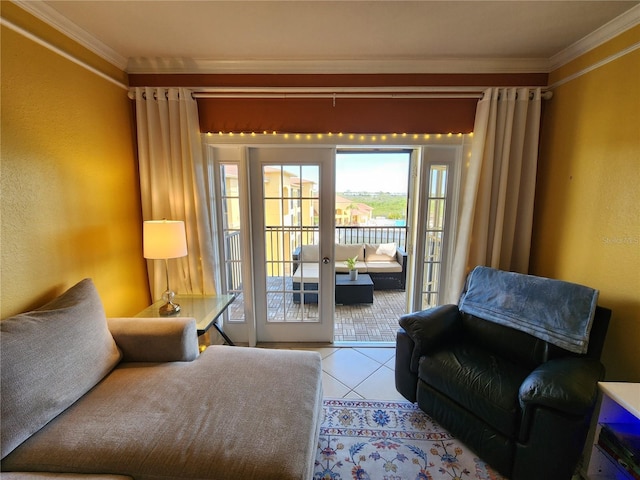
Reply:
x=372, y=172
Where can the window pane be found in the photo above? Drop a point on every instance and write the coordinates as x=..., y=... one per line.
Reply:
x=231, y=208
x=436, y=214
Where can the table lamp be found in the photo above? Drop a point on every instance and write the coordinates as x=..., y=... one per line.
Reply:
x=165, y=239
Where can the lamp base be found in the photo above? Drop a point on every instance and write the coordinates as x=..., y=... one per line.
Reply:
x=169, y=308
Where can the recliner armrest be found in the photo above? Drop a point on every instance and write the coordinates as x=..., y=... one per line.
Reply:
x=429, y=328
x=566, y=384
x=155, y=339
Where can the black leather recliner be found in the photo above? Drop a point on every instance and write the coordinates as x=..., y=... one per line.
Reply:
x=523, y=404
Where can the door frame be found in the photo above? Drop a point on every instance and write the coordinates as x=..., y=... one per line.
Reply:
x=246, y=331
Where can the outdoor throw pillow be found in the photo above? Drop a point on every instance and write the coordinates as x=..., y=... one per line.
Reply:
x=387, y=249
x=372, y=255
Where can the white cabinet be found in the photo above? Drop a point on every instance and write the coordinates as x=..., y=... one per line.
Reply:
x=620, y=403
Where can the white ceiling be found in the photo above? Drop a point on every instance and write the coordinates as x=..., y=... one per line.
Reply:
x=343, y=36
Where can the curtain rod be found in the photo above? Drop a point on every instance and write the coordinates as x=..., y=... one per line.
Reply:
x=336, y=95
x=346, y=92
x=341, y=92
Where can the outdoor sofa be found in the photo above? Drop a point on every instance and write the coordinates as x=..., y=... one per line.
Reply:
x=385, y=263
x=134, y=398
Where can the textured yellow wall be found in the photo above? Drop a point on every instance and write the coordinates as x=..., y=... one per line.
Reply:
x=70, y=197
x=587, y=217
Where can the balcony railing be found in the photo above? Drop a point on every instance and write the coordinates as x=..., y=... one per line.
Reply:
x=281, y=235
x=281, y=241
x=386, y=234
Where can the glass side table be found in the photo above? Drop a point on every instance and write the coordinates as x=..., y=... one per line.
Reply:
x=206, y=309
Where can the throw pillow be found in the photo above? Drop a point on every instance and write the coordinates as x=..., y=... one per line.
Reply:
x=371, y=254
x=387, y=249
x=50, y=358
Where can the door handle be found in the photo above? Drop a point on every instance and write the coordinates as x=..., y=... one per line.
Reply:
x=326, y=260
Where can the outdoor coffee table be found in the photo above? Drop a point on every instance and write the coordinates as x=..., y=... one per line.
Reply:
x=354, y=291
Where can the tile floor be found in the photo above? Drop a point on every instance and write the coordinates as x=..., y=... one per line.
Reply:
x=358, y=372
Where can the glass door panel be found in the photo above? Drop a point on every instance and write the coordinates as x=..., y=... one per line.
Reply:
x=432, y=259
x=294, y=287
x=232, y=236
x=291, y=232
x=436, y=206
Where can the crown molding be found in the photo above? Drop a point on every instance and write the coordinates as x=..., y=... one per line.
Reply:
x=609, y=30
x=50, y=16
x=47, y=14
x=341, y=66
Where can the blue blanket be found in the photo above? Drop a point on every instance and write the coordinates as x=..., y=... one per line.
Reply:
x=552, y=310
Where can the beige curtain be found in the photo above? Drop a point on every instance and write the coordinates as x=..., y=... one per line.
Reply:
x=496, y=214
x=173, y=180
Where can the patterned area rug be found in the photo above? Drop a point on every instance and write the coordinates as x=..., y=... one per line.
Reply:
x=376, y=440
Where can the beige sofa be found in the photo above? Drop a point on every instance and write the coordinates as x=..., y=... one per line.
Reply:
x=134, y=398
x=386, y=263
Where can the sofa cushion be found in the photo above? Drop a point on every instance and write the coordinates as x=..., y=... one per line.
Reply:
x=383, y=267
x=342, y=252
x=233, y=413
x=380, y=253
x=361, y=267
x=50, y=358
x=479, y=381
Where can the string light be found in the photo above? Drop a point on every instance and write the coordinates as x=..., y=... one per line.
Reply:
x=351, y=137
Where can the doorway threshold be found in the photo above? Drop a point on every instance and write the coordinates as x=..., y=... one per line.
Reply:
x=345, y=344
x=326, y=344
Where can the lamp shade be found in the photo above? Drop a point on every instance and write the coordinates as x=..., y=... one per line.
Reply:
x=164, y=239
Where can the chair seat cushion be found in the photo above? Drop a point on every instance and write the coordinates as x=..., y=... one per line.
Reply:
x=479, y=381
x=307, y=273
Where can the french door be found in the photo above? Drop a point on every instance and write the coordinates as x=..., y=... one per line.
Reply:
x=435, y=205
x=275, y=207
x=292, y=222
